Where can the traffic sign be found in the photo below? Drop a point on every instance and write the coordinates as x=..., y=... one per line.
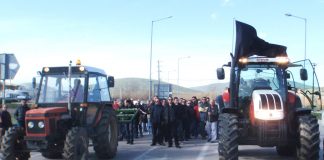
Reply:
x=9, y=66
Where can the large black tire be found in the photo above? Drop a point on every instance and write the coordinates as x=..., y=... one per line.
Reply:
x=76, y=144
x=13, y=145
x=52, y=154
x=229, y=134
x=308, y=138
x=106, y=141
x=288, y=150
x=54, y=151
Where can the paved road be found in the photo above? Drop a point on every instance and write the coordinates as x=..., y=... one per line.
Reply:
x=195, y=149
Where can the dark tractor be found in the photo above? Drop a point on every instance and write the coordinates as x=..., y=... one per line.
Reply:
x=73, y=104
x=263, y=104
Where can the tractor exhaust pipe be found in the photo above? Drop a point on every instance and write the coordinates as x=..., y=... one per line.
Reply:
x=70, y=88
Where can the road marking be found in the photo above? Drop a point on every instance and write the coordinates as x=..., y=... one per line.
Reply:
x=144, y=154
x=36, y=155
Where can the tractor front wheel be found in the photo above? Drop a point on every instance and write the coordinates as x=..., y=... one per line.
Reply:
x=13, y=144
x=53, y=151
x=76, y=144
x=309, y=138
x=229, y=134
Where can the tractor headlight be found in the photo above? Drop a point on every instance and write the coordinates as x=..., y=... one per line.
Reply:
x=41, y=124
x=30, y=124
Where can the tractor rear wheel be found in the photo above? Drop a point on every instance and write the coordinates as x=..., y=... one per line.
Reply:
x=13, y=144
x=106, y=142
x=229, y=134
x=309, y=138
x=76, y=144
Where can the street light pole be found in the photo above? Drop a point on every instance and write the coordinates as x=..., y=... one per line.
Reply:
x=179, y=72
x=150, y=90
x=305, y=21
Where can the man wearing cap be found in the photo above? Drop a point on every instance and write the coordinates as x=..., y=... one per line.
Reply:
x=20, y=113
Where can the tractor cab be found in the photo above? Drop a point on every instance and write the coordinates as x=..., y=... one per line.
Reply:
x=257, y=73
x=85, y=85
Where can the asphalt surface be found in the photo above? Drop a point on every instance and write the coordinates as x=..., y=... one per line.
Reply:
x=195, y=149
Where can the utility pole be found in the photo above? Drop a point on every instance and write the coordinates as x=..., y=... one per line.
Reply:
x=151, y=49
x=158, y=88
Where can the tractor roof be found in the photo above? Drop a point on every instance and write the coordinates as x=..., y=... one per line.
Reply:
x=75, y=69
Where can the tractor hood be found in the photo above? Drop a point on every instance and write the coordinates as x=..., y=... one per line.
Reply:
x=248, y=44
x=268, y=105
x=46, y=111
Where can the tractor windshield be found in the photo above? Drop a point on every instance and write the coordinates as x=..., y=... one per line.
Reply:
x=55, y=89
x=256, y=77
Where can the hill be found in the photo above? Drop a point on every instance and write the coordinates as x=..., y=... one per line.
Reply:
x=212, y=88
x=138, y=88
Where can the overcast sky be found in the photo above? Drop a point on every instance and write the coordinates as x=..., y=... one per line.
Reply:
x=115, y=35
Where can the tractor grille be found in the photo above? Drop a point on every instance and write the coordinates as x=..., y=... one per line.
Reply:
x=272, y=132
x=52, y=125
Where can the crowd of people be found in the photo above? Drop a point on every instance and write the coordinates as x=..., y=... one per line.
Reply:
x=171, y=120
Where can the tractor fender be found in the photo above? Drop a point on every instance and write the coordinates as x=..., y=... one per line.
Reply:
x=302, y=111
x=294, y=100
x=230, y=110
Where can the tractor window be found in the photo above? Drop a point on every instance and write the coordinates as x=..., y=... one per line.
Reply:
x=94, y=89
x=105, y=96
x=258, y=78
x=55, y=89
x=98, y=89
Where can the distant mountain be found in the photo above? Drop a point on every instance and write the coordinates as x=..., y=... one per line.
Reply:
x=138, y=88
x=215, y=87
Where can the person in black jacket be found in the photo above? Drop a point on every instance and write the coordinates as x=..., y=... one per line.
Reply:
x=179, y=110
x=170, y=121
x=156, y=120
x=5, y=120
x=20, y=113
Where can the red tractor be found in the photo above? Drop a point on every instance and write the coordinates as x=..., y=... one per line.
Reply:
x=262, y=104
x=73, y=104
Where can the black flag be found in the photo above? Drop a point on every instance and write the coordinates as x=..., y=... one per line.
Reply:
x=248, y=44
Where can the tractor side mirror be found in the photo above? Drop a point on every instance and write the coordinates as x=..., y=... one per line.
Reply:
x=303, y=74
x=111, y=81
x=34, y=82
x=220, y=73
